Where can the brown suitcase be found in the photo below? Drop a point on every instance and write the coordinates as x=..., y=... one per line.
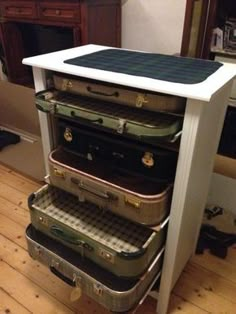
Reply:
x=120, y=94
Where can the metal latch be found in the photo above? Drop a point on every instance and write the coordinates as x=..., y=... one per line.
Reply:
x=97, y=289
x=66, y=84
x=121, y=126
x=140, y=100
x=59, y=173
x=43, y=220
x=109, y=257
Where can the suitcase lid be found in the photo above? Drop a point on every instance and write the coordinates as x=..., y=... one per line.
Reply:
x=115, y=232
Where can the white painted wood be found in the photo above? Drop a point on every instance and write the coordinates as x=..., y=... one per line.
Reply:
x=201, y=131
x=203, y=121
x=202, y=91
x=44, y=120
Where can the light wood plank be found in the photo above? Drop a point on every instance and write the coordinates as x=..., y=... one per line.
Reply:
x=211, y=282
x=15, y=213
x=201, y=297
x=14, y=196
x=30, y=295
x=219, y=266
x=11, y=179
x=9, y=305
x=13, y=231
x=20, y=260
x=179, y=305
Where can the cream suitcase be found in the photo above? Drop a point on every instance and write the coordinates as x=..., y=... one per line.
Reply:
x=133, y=197
x=119, y=94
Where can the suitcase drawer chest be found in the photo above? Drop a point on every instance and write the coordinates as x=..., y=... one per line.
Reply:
x=128, y=181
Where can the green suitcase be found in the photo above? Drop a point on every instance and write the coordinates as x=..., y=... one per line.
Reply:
x=116, y=244
x=138, y=124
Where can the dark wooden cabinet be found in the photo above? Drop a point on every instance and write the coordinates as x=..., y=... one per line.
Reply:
x=33, y=27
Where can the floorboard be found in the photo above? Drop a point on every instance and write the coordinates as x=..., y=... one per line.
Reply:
x=207, y=284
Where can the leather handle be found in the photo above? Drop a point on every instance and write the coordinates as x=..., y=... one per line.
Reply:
x=63, y=277
x=90, y=90
x=59, y=233
x=104, y=195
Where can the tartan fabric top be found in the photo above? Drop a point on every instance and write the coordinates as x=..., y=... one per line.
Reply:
x=104, y=227
x=157, y=66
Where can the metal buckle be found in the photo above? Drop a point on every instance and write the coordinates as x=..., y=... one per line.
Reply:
x=121, y=126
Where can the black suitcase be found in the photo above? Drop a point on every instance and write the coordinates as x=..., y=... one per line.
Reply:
x=131, y=156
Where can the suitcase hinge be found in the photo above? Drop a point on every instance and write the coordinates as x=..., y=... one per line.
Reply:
x=140, y=100
x=121, y=126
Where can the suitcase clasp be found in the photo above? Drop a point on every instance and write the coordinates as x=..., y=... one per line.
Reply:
x=97, y=289
x=148, y=159
x=66, y=84
x=134, y=203
x=109, y=257
x=140, y=100
x=68, y=135
x=121, y=126
x=59, y=173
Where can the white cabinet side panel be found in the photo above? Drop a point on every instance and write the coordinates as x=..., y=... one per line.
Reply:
x=201, y=131
x=44, y=121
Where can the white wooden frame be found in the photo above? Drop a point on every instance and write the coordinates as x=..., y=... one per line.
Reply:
x=203, y=120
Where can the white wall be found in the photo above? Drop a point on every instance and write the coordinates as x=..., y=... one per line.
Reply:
x=153, y=25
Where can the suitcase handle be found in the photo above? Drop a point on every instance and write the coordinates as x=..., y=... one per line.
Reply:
x=98, y=120
x=63, y=277
x=114, y=94
x=105, y=195
x=59, y=233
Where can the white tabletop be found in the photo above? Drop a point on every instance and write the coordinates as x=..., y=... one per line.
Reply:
x=202, y=91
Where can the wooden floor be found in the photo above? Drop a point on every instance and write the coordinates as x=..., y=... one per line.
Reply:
x=207, y=285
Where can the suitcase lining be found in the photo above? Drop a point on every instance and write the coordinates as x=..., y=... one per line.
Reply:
x=112, y=231
x=144, y=117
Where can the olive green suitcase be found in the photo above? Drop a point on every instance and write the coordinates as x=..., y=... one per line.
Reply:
x=138, y=124
x=140, y=99
x=116, y=244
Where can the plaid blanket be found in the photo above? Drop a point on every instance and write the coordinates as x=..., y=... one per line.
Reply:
x=157, y=66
